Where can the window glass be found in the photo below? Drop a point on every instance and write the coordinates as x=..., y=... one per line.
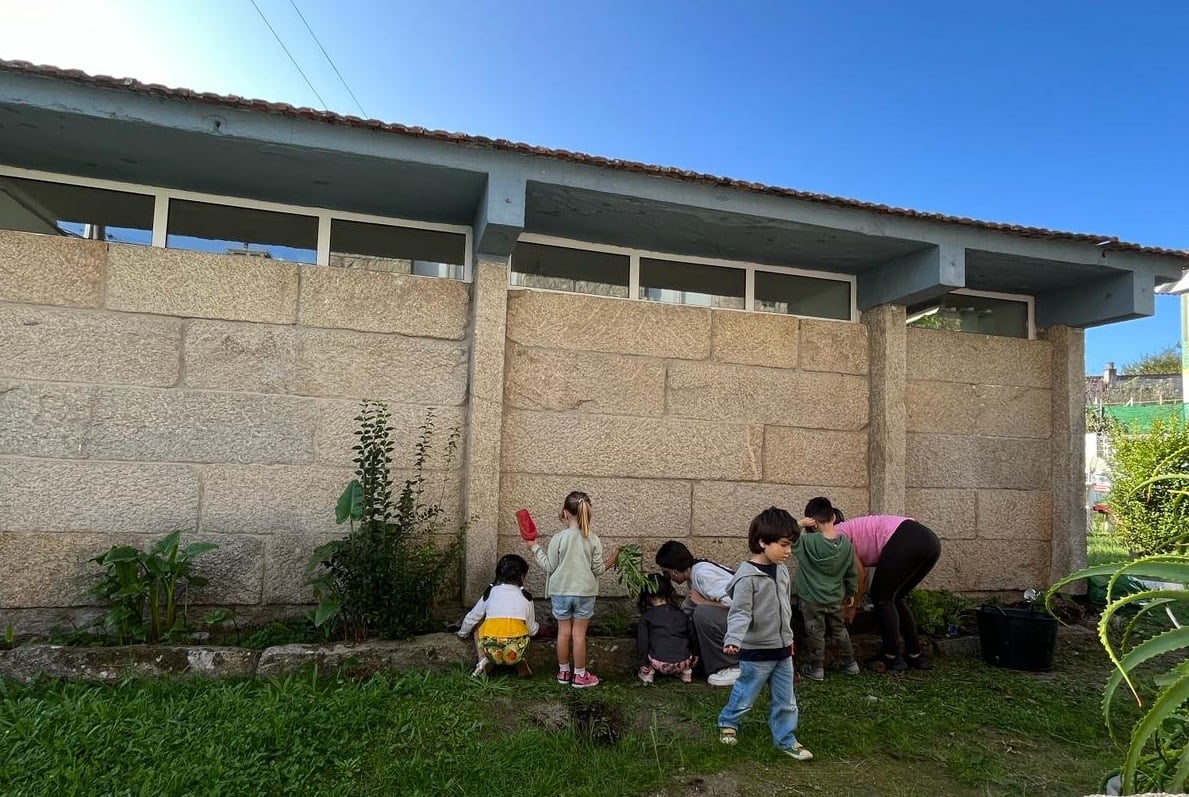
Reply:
x=689, y=283
x=77, y=211
x=563, y=269
x=807, y=296
x=403, y=250
x=958, y=312
x=230, y=230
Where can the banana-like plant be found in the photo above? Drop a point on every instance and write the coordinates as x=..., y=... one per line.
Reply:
x=1158, y=748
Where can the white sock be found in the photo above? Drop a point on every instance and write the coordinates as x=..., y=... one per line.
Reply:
x=563, y=668
x=579, y=671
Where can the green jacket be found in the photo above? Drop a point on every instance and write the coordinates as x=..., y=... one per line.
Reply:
x=825, y=568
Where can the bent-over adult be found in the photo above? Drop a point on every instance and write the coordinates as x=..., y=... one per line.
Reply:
x=902, y=551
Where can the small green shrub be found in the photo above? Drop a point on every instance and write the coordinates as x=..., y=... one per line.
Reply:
x=1149, y=473
x=136, y=581
x=936, y=610
x=384, y=577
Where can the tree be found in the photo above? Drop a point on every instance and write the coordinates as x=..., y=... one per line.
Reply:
x=1166, y=361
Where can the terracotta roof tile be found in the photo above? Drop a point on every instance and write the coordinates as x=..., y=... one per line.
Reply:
x=328, y=117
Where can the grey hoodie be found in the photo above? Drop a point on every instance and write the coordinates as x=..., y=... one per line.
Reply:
x=761, y=611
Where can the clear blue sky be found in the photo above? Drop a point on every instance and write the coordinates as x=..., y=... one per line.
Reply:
x=1070, y=115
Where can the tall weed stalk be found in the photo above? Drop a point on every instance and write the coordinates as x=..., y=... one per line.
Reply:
x=384, y=577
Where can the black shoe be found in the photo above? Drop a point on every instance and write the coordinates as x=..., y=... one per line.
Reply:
x=919, y=662
x=881, y=663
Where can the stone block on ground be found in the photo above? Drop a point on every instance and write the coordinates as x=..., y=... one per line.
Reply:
x=113, y=664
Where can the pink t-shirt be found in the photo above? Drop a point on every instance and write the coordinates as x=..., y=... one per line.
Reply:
x=869, y=534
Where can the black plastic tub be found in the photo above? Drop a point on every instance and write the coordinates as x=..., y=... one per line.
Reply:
x=1020, y=639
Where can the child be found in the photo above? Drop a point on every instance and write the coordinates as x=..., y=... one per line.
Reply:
x=663, y=634
x=827, y=584
x=706, y=605
x=573, y=562
x=759, y=631
x=506, y=611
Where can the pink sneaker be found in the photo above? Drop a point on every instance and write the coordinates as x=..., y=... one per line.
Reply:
x=584, y=680
x=686, y=676
x=645, y=674
x=564, y=676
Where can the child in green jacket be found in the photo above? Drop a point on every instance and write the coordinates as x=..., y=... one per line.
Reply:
x=827, y=583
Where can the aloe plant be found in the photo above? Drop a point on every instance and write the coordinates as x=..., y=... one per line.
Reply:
x=1158, y=746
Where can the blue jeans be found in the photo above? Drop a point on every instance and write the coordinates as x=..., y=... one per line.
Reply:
x=782, y=713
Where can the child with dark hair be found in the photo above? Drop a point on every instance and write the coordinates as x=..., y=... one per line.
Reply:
x=663, y=633
x=573, y=561
x=507, y=617
x=759, y=631
x=827, y=585
x=706, y=604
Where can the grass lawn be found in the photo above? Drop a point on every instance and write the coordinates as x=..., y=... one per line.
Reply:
x=964, y=729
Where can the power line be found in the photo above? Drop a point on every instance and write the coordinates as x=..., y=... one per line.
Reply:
x=291, y=58
x=328, y=58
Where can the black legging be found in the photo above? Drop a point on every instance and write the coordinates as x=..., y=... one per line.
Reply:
x=906, y=559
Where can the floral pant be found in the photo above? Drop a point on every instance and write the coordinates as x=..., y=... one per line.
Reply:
x=503, y=650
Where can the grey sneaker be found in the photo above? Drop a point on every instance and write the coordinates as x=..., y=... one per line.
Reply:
x=798, y=753
x=851, y=668
x=813, y=673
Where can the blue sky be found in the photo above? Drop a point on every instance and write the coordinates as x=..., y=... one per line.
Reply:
x=1070, y=115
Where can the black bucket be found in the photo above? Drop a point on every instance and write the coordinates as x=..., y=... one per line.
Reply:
x=1021, y=639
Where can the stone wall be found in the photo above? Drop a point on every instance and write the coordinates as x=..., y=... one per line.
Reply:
x=143, y=390
x=979, y=421
x=681, y=422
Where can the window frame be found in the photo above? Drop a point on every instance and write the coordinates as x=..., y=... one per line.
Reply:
x=634, y=256
x=162, y=196
x=1019, y=298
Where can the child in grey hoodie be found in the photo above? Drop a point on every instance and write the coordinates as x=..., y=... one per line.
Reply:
x=759, y=631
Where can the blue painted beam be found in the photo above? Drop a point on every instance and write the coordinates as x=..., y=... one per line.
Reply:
x=499, y=219
x=916, y=277
x=1118, y=297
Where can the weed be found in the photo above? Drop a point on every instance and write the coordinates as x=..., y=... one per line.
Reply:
x=384, y=577
x=134, y=581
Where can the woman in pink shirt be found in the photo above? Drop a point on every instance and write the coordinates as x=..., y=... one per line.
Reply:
x=902, y=551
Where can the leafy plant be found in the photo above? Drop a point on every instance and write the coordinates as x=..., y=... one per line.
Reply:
x=936, y=610
x=136, y=581
x=1150, y=472
x=383, y=578
x=629, y=569
x=10, y=635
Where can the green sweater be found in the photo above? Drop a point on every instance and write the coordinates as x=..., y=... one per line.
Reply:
x=574, y=564
x=825, y=568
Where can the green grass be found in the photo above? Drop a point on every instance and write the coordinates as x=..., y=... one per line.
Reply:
x=963, y=729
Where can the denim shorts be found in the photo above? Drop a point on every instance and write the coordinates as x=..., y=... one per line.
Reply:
x=573, y=607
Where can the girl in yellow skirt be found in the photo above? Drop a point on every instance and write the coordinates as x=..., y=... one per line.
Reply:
x=505, y=618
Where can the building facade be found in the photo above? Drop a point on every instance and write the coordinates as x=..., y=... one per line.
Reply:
x=196, y=292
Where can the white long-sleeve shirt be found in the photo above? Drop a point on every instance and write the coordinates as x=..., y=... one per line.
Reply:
x=505, y=602
x=711, y=580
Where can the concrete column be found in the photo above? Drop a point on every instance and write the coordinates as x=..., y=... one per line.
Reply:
x=1068, y=543
x=485, y=404
x=887, y=337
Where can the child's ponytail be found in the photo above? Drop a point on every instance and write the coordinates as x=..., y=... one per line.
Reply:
x=577, y=504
